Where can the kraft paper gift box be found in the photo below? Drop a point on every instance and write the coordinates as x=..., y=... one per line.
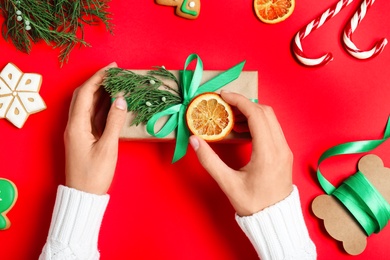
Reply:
x=246, y=84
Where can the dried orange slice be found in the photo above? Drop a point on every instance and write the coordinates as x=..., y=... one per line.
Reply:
x=209, y=117
x=273, y=11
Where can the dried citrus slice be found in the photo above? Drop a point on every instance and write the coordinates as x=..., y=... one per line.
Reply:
x=273, y=11
x=209, y=117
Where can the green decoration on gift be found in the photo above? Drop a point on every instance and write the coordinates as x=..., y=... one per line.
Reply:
x=59, y=23
x=146, y=95
x=150, y=103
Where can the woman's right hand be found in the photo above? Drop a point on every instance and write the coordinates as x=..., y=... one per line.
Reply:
x=267, y=178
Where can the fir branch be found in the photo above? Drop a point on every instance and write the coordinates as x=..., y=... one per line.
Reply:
x=143, y=93
x=163, y=73
x=60, y=23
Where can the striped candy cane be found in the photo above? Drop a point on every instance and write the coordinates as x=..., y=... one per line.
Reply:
x=351, y=27
x=315, y=24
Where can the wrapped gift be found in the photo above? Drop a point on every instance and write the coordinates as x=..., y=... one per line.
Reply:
x=168, y=123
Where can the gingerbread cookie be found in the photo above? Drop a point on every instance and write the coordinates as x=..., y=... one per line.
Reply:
x=19, y=95
x=184, y=8
x=8, y=196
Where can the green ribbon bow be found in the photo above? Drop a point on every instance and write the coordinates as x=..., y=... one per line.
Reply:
x=357, y=194
x=190, y=85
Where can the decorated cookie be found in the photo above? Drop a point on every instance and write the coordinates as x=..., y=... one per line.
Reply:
x=184, y=8
x=340, y=223
x=19, y=95
x=8, y=196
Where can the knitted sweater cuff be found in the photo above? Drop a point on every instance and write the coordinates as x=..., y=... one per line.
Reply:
x=76, y=219
x=279, y=231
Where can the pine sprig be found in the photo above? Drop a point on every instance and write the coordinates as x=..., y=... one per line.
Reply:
x=60, y=23
x=163, y=73
x=143, y=93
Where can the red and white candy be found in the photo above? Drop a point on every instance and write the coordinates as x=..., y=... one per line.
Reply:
x=347, y=36
x=351, y=27
x=313, y=25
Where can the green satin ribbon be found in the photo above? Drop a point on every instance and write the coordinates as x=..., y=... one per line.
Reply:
x=190, y=86
x=357, y=194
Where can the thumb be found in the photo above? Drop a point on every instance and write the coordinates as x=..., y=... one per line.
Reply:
x=209, y=159
x=115, y=119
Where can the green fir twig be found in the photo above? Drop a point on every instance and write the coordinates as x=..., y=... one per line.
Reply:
x=60, y=23
x=145, y=95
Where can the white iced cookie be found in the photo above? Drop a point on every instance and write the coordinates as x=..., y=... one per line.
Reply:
x=19, y=95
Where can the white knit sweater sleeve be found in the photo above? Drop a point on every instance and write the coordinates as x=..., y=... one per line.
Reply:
x=279, y=231
x=75, y=225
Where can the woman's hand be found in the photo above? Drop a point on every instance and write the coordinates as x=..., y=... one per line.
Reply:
x=91, y=138
x=267, y=178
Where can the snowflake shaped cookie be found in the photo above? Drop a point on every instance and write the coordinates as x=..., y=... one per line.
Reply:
x=19, y=95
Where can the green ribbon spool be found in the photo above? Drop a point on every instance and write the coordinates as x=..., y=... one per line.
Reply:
x=190, y=85
x=357, y=194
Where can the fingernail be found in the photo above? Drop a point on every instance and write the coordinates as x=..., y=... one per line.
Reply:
x=225, y=91
x=120, y=103
x=194, y=142
x=112, y=64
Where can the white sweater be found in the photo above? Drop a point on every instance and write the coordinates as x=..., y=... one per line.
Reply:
x=277, y=232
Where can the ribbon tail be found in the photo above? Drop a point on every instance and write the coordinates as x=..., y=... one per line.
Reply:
x=182, y=136
x=349, y=148
x=325, y=184
x=343, y=149
x=191, y=81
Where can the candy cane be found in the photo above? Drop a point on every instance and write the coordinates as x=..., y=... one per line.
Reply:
x=315, y=24
x=351, y=27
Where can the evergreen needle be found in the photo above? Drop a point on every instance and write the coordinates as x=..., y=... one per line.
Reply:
x=146, y=95
x=60, y=23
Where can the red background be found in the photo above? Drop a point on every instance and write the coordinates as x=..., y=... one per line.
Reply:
x=160, y=210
